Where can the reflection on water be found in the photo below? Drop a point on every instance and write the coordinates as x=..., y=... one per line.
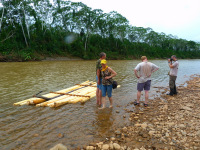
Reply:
x=28, y=127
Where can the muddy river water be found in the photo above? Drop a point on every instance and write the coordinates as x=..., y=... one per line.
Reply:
x=33, y=128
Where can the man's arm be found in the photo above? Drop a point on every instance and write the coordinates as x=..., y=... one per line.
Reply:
x=98, y=75
x=112, y=75
x=173, y=65
x=137, y=68
x=170, y=64
x=155, y=68
x=135, y=71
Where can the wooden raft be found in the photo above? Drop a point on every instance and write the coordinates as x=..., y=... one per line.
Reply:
x=78, y=93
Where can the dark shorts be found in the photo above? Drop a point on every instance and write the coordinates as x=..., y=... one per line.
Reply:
x=146, y=86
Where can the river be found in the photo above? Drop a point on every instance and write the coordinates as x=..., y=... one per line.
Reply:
x=33, y=128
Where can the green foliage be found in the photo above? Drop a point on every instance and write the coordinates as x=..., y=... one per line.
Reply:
x=24, y=55
x=38, y=27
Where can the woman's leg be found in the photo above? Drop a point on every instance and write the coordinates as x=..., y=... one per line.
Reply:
x=103, y=102
x=111, y=102
x=109, y=91
x=104, y=89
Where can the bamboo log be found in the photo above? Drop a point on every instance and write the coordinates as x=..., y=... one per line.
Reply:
x=83, y=99
x=88, y=93
x=22, y=102
x=87, y=90
x=87, y=85
x=60, y=98
x=54, y=94
x=69, y=94
x=49, y=95
x=91, y=92
x=118, y=86
x=72, y=99
x=53, y=100
x=65, y=100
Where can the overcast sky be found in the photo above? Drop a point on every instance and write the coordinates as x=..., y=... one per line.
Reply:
x=177, y=17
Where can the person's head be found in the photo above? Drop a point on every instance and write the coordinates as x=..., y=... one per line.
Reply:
x=174, y=57
x=144, y=58
x=102, y=55
x=103, y=63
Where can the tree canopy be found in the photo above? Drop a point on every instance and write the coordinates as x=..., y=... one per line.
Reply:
x=30, y=29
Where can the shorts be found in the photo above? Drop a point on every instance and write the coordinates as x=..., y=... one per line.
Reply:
x=146, y=86
x=99, y=86
x=107, y=89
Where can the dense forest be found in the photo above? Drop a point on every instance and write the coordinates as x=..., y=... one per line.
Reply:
x=34, y=29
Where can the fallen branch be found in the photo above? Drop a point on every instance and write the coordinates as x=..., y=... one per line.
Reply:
x=8, y=37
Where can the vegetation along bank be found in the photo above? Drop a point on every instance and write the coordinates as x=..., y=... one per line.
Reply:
x=34, y=30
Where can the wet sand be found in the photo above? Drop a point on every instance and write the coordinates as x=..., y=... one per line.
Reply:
x=170, y=122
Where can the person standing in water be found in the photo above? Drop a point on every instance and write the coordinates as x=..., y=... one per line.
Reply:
x=145, y=70
x=107, y=74
x=99, y=78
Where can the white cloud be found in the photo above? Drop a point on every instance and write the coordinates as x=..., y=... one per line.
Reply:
x=177, y=17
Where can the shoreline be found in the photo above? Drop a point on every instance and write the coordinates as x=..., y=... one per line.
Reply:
x=64, y=58
x=170, y=122
x=60, y=58
x=53, y=58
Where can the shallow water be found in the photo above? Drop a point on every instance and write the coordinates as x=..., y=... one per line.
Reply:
x=29, y=127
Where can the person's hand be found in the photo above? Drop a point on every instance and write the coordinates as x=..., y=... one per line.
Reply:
x=98, y=82
x=108, y=77
x=168, y=60
x=138, y=77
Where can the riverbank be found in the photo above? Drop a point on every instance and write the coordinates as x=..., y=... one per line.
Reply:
x=39, y=58
x=23, y=57
x=170, y=122
x=61, y=58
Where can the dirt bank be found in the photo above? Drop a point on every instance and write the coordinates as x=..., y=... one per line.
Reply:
x=60, y=58
x=170, y=122
x=13, y=58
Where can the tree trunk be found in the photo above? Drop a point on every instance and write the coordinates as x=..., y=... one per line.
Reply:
x=86, y=39
x=23, y=30
x=27, y=27
x=1, y=18
x=11, y=21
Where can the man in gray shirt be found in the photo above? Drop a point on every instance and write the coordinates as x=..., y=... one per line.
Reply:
x=173, y=65
x=145, y=70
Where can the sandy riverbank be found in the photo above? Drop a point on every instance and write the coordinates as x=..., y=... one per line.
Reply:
x=170, y=122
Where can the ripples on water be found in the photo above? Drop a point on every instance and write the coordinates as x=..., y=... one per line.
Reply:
x=29, y=127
